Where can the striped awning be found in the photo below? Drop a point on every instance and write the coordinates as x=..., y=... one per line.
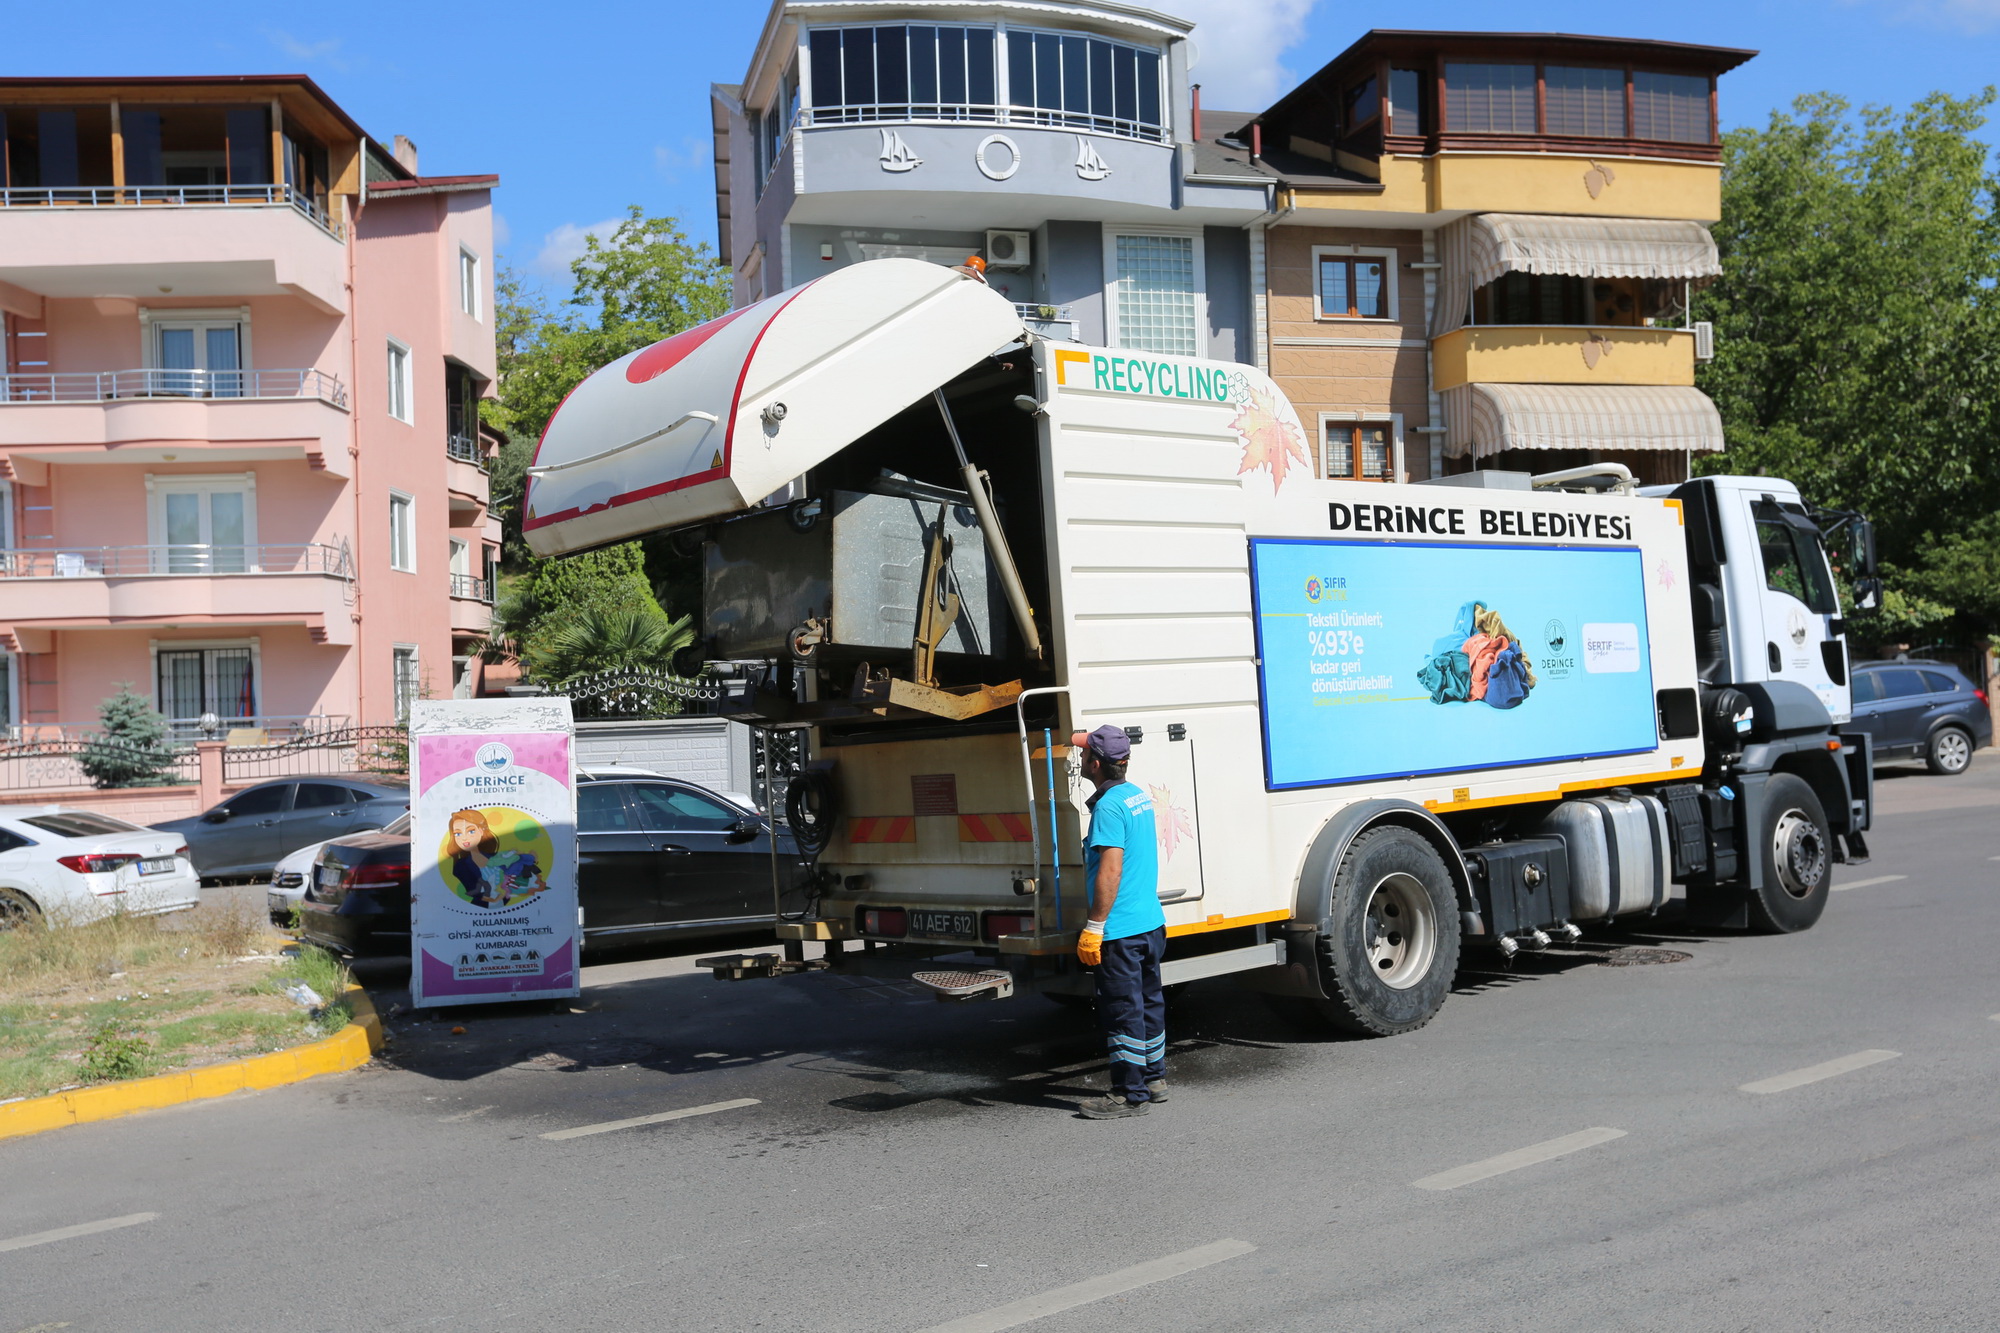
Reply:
x=1504, y=243
x=1483, y=419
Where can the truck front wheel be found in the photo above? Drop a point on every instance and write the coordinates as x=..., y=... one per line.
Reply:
x=1797, y=850
x=1389, y=947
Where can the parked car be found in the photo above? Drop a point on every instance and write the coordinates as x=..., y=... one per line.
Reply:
x=251, y=831
x=1921, y=709
x=657, y=857
x=289, y=876
x=61, y=866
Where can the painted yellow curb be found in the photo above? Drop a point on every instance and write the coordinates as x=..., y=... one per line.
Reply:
x=349, y=1048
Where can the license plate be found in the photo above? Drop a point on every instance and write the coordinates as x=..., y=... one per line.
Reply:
x=953, y=924
x=329, y=876
x=158, y=865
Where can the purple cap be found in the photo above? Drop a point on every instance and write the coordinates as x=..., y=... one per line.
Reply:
x=1107, y=742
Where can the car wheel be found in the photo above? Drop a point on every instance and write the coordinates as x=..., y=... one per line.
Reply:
x=1797, y=850
x=1950, y=751
x=18, y=910
x=1389, y=947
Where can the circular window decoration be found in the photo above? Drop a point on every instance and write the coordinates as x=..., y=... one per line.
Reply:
x=985, y=154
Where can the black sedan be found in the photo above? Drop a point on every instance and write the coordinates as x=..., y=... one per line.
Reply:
x=657, y=858
x=252, y=831
x=1921, y=710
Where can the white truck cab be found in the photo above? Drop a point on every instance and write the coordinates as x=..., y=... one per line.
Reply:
x=1378, y=722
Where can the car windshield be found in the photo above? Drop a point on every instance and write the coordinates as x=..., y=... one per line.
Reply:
x=80, y=824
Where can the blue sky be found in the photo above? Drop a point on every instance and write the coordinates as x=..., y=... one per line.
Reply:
x=585, y=109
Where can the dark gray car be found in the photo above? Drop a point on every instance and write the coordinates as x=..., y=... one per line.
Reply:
x=1921, y=710
x=253, y=830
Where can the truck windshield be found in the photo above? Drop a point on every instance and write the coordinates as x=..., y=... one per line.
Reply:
x=1794, y=562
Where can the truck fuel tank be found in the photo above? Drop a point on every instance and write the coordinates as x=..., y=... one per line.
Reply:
x=1619, y=847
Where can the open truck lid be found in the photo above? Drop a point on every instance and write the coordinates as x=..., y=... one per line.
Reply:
x=714, y=419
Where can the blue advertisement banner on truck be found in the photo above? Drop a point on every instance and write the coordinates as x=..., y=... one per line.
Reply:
x=1400, y=659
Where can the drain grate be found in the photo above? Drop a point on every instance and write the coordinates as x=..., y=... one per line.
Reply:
x=1637, y=957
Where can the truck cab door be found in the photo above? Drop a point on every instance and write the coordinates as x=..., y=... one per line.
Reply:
x=1800, y=638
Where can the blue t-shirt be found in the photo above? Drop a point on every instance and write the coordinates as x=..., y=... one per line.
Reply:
x=1122, y=816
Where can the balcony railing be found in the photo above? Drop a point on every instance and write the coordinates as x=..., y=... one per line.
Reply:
x=472, y=587
x=1050, y=321
x=103, y=386
x=465, y=448
x=178, y=560
x=135, y=196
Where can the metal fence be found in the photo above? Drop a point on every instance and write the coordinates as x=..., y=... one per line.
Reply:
x=471, y=586
x=638, y=694
x=382, y=750
x=76, y=762
x=136, y=196
x=101, y=562
x=465, y=448
x=104, y=386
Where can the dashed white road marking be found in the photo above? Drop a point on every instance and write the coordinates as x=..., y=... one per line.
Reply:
x=1015, y=1313
x=1798, y=1078
x=637, y=1120
x=80, y=1229
x=1870, y=883
x=1520, y=1157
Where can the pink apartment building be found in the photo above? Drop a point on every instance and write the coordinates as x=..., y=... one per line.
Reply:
x=241, y=466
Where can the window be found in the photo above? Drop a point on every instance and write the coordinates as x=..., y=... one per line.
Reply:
x=1585, y=102
x=1086, y=82
x=318, y=795
x=1359, y=285
x=402, y=532
x=1867, y=686
x=10, y=840
x=1670, y=107
x=259, y=801
x=1156, y=293
x=196, y=353
x=1793, y=562
x=1537, y=298
x=601, y=808
x=468, y=282
x=80, y=824
x=1358, y=450
x=202, y=524
x=399, y=381
x=403, y=678
x=197, y=681
x=776, y=123
x=1361, y=105
x=1936, y=682
x=1489, y=99
x=10, y=697
x=664, y=809
x=902, y=72
x=1406, y=102
x=1900, y=683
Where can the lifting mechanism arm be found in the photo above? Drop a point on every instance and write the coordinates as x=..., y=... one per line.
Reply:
x=996, y=541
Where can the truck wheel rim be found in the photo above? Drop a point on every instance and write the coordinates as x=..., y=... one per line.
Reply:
x=1401, y=931
x=1800, y=853
x=1952, y=751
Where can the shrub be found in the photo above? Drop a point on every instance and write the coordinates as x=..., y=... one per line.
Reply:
x=133, y=752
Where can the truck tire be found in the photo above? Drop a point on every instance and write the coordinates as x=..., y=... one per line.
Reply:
x=1949, y=751
x=1797, y=848
x=1389, y=947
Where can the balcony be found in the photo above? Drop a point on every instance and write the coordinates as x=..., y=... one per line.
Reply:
x=472, y=587
x=142, y=416
x=1563, y=354
x=226, y=242
x=464, y=448
x=134, y=587
x=471, y=606
x=1048, y=321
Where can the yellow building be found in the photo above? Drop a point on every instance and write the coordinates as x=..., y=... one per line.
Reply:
x=1483, y=247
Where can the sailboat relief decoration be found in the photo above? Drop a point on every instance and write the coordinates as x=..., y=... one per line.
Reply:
x=1088, y=164
x=896, y=155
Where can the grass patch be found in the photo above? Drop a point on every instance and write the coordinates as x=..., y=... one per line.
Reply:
x=129, y=996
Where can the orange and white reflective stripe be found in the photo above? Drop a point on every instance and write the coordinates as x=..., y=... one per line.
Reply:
x=993, y=828
x=881, y=828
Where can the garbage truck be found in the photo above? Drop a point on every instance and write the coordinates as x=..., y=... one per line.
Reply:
x=1380, y=723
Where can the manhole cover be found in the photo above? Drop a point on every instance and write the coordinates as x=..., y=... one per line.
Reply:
x=577, y=1056
x=1637, y=957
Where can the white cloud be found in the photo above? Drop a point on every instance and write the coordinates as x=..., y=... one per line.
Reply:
x=565, y=244
x=1238, y=44
x=502, y=233
x=326, y=52
x=672, y=162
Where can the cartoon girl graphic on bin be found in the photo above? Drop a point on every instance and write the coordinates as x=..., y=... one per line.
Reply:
x=489, y=876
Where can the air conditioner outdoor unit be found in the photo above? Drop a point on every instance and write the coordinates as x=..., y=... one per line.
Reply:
x=1006, y=249
x=1704, y=341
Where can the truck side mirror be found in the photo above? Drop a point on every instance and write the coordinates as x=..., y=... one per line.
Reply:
x=1863, y=540
x=1867, y=593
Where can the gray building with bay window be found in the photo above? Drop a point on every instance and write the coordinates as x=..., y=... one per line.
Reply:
x=1057, y=140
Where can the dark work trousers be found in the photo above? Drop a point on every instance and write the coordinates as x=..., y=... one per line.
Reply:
x=1133, y=1011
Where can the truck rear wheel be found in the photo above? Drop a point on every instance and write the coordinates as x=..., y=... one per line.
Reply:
x=1797, y=850
x=1389, y=947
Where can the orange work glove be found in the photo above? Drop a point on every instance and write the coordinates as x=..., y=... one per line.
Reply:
x=1090, y=944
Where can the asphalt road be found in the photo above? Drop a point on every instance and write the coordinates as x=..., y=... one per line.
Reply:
x=1568, y=1146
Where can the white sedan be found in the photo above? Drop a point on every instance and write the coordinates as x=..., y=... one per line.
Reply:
x=64, y=867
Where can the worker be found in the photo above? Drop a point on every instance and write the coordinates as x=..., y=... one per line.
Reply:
x=1126, y=932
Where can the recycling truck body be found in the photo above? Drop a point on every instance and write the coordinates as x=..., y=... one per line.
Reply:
x=1378, y=722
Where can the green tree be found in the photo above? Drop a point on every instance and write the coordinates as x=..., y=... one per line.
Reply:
x=1858, y=332
x=133, y=751
x=565, y=591
x=608, y=638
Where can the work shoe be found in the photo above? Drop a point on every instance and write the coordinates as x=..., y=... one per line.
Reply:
x=1110, y=1107
x=1156, y=1088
